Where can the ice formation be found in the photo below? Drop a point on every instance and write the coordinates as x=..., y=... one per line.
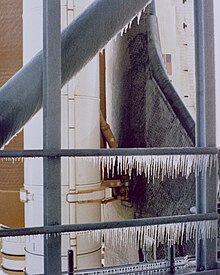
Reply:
x=159, y=267
x=129, y=24
x=149, y=236
x=13, y=159
x=138, y=16
x=154, y=167
x=153, y=235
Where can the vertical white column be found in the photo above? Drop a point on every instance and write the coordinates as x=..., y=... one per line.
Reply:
x=79, y=129
x=83, y=132
x=33, y=139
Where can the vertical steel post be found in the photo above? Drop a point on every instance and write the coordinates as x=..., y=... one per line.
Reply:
x=200, y=117
x=52, y=133
x=211, y=179
x=70, y=262
x=153, y=5
x=171, y=256
x=205, y=121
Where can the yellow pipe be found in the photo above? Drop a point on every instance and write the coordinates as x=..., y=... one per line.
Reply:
x=107, y=133
x=102, y=91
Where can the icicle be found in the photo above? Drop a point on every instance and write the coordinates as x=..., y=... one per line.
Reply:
x=12, y=159
x=139, y=17
x=129, y=24
x=153, y=235
x=102, y=50
x=154, y=167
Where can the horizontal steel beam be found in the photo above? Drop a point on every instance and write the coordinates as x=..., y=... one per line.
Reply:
x=58, y=229
x=108, y=152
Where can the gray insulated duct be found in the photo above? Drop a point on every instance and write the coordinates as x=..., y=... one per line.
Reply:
x=21, y=97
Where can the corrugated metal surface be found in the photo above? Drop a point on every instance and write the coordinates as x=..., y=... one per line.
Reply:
x=10, y=38
x=11, y=175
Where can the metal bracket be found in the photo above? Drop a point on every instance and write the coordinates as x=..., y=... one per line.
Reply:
x=120, y=189
x=85, y=196
x=25, y=196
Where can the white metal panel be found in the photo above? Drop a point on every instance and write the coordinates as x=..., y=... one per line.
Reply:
x=87, y=122
x=72, y=182
x=87, y=80
x=13, y=265
x=13, y=246
x=71, y=88
x=32, y=24
x=75, y=123
x=64, y=16
x=176, y=25
x=65, y=121
x=72, y=138
x=71, y=114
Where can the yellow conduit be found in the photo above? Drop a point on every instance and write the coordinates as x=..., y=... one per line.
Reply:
x=107, y=133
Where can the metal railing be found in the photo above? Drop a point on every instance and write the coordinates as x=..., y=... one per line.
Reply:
x=109, y=152
x=59, y=229
x=56, y=230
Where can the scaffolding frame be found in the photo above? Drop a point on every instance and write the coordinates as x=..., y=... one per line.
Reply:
x=206, y=193
x=52, y=132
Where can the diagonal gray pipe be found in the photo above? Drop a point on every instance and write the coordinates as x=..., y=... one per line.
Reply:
x=21, y=96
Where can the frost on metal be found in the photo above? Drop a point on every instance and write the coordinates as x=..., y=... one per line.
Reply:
x=81, y=41
x=138, y=16
x=149, y=237
x=153, y=235
x=154, y=167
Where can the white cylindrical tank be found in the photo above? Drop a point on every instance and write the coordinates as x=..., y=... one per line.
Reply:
x=33, y=139
x=13, y=255
x=84, y=132
x=79, y=129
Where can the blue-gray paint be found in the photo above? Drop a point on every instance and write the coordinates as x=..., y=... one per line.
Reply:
x=21, y=96
x=164, y=83
x=205, y=126
x=59, y=229
x=109, y=152
x=52, y=132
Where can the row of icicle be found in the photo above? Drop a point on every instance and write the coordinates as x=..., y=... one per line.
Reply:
x=151, y=166
x=149, y=236
x=153, y=235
